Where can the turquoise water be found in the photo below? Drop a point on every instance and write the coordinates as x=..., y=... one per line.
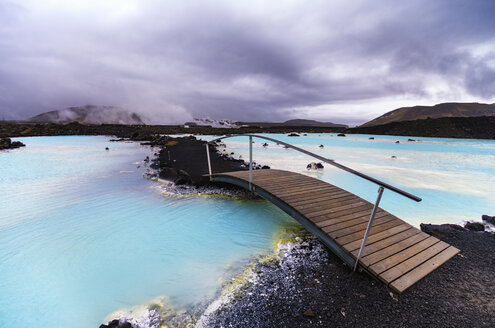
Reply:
x=82, y=234
x=455, y=177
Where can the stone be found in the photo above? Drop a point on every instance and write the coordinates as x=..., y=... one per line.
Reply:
x=341, y=135
x=411, y=140
x=488, y=219
x=265, y=145
x=371, y=138
x=309, y=313
x=265, y=167
x=183, y=178
x=321, y=146
x=397, y=142
x=7, y=143
x=293, y=134
x=441, y=230
x=474, y=226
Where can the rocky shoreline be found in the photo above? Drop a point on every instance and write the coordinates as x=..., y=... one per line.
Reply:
x=308, y=286
x=7, y=143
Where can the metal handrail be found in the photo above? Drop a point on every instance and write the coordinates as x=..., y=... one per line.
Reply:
x=381, y=184
x=331, y=162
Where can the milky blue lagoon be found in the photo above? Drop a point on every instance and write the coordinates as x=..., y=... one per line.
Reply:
x=82, y=234
x=455, y=177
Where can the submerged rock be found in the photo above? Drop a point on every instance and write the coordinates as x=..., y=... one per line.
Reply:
x=314, y=166
x=293, y=134
x=341, y=135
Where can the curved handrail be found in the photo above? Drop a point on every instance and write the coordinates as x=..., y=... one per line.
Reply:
x=329, y=161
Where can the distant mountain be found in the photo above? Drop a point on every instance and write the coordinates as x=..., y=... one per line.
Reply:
x=89, y=115
x=444, y=127
x=437, y=111
x=294, y=123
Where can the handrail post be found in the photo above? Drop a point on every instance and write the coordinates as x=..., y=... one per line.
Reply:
x=209, y=162
x=250, y=162
x=375, y=208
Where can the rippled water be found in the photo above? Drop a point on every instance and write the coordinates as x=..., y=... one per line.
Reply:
x=82, y=234
x=455, y=177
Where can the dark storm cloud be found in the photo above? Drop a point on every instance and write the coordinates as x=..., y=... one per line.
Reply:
x=256, y=61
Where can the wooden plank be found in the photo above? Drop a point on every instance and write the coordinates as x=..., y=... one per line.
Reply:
x=336, y=196
x=333, y=208
x=330, y=196
x=384, y=243
x=277, y=187
x=412, y=262
x=319, y=215
x=279, y=181
x=358, y=235
x=363, y=216
x=421, y=271
x=352, y=246
x=337, y=204
x=297, y=191
x=345, y=228
x=382, y=263
x=343, y=215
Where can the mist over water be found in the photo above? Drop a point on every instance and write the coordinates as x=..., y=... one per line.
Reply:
x=82, y=234
x=454, y=177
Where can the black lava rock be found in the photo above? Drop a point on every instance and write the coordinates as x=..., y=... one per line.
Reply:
x=488, y=219
x=475, y=226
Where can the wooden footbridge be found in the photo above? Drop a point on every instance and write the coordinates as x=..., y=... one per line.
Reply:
x=363, y=235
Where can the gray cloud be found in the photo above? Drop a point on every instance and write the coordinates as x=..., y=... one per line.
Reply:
x=257, y=61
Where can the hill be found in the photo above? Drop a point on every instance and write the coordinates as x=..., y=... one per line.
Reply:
x=482, y=127
x=89, y=115
x=437, y=111
x=294, y=123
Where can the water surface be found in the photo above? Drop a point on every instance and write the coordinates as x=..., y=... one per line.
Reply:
x=82, y=234
x=454, y=177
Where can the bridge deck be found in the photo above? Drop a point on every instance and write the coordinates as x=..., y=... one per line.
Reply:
x=396, y=253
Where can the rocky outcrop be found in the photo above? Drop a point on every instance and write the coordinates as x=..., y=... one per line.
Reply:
x=475, y=226
x=7, y=143
x=314, y=166
x=488, y=219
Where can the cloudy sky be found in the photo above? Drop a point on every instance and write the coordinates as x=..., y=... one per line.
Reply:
x=342, y=61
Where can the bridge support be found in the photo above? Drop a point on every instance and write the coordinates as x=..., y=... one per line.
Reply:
x=370, y=223
x=250, y=163
x=209, y=161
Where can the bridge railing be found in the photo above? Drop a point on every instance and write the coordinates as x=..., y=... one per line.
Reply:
x=382, y=185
